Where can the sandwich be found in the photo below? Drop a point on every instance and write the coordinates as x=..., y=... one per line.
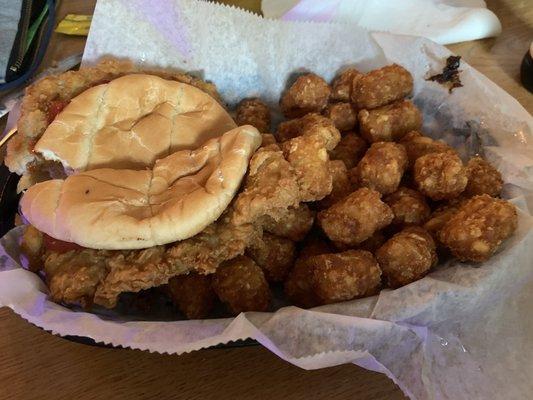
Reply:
x=128, y=165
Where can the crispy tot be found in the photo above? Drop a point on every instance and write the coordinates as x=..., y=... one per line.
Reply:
x=341, y=87
x=381, y=168
x=441, y=215
x=253, y=112
x=342, y=114
x=440, y=176
x=389, y=123
x=288, y=130
x=268, y=139
x=483, y=178
x=409, y=207
x=320, y=127
x=312, y=124
x=478, y=228
x=344, y=276
x=192, y=294
x=275, y=256
x=241, y=285
x=339, y=246
x=407, y=256
x=270, y=187
x=356, y=217
x=315, y=243
x=381, y=86
x=342, y=186
x=417, y=145
x=298, y=286
x=309, y=93
x=350, y=149
x=293, y=223
x=310, y=160
x=374, y=242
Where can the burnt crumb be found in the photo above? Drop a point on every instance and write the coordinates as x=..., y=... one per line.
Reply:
x=87, y=191
x=450, y=74
x=453, y=62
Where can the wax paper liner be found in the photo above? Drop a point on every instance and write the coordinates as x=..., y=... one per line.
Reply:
x=462, y=332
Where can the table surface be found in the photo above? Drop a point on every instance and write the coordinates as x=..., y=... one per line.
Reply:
x=36, y=364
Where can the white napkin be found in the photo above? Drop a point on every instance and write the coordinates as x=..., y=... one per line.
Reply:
x=443, y=21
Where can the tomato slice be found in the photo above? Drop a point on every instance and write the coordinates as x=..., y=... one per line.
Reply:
x=54, y=108
x=59, y=246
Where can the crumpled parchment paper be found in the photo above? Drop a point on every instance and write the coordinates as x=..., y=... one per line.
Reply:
x=463, y=332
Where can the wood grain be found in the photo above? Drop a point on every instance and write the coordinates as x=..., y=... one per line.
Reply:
x=500, y=58
x=37, y=365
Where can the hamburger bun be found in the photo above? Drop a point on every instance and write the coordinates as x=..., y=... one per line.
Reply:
x=42, y=100
x=132, y=209
x=130, y=122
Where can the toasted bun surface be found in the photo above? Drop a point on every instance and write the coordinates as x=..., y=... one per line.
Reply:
x=130, y=122
x=133, y=209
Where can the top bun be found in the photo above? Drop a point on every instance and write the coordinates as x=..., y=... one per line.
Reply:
x=133, y=209
x=130, y=122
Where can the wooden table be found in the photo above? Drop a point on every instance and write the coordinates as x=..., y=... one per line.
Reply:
x=36, y=364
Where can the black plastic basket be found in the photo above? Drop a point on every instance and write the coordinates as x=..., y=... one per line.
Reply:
x=8, y=209
x=8, y=199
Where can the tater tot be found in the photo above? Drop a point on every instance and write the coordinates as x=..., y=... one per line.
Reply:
x=338, y=246
x=381, y=86
x=381, y=168
x=310, y=160
x=298, y=286
x=477, y=229
x=192, y=294
x=274, y=254
x=342, y=114
x=299, y=283
x=374, y=242
x=289, y=129
x=389, y=123
x=310, y=125
x=409, y=207
x=341, y=87
x=441, y=215
x=292, y=224
x=342, y=186
x=320, y=127
x=483, y=178
x=268, y=139
x=350, y=149
x=407, y=256
x=309, y=93
x=253, y=112
x=241, y=285
x=440, y=176
x=417, y=145
x=344, y=276
x=315, y=243
x=356, y=217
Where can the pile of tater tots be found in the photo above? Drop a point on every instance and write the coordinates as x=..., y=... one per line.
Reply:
x=382, y=202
